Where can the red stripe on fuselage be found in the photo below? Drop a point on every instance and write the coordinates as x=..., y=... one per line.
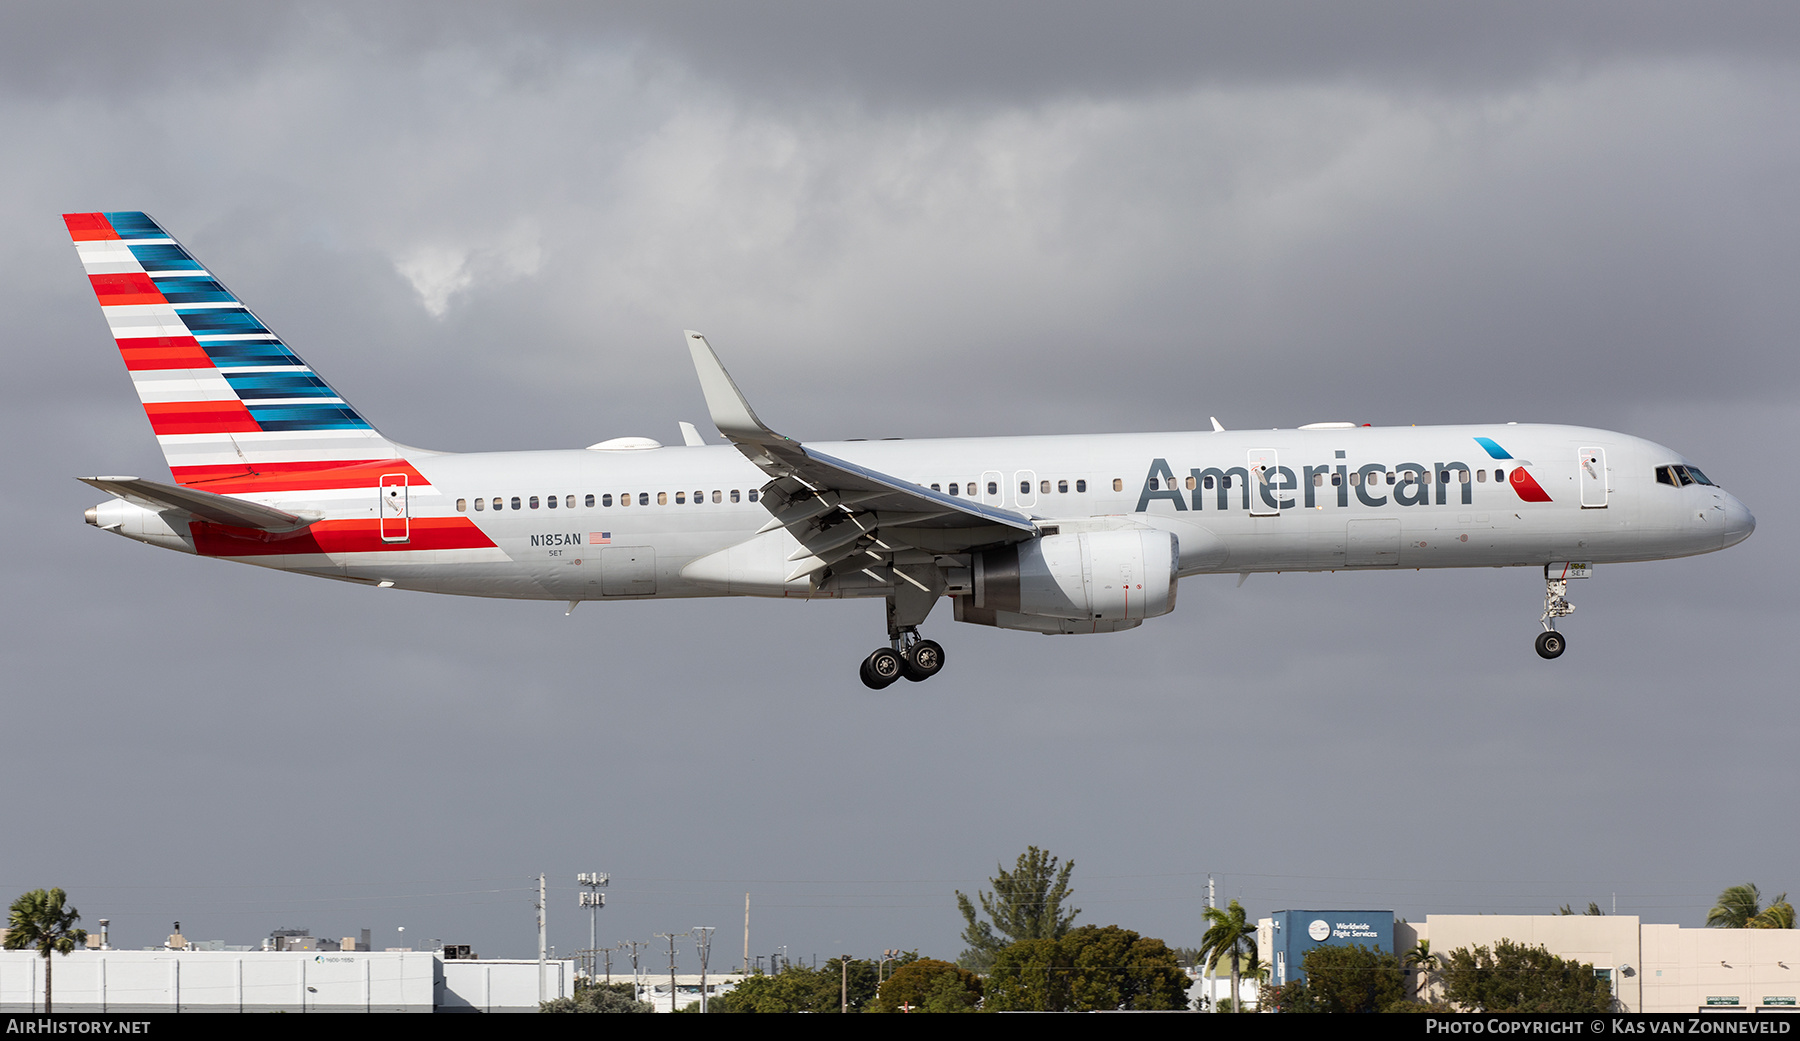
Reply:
x=126, y=289
x=163, y=352
x=89, y=227
x=340, y=536
x=200, y=417
x=1527, y=488
x=286, y=477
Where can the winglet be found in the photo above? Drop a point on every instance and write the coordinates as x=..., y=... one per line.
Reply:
x=730, y=412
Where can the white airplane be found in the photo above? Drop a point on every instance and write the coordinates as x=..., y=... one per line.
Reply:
x=1065, y=534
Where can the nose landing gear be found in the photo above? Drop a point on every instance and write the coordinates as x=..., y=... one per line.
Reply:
x=1550, y=643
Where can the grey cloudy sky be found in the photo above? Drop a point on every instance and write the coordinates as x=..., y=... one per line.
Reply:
x=488, y=226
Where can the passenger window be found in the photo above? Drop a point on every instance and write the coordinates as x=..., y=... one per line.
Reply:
x=1318, y=480
x=534, y=503
x=1356, y=478
x=480, y=504
x=498, y=503
x=1190, y=482
x=680, y=498
x=1499, y=476
x=551, y=502
x=1153, y=484
x=1462, y=477
x=590, y=501
x=699, y=496
x=718, y=496
x=993, y=488
x=1390, y=477
x=1081, y=486
x=1481, y=477
x=1207, y=484
x=935, y=488
x=1118, y=485
x=1337, y=480
x=643, y=498
x=1043, y=487
x=734, y=495
x=953, y=487
x=515, y=502
x=662, y=498
x=753, y=495
x=1024, y=487
x=605, y=500
x=1062, y=487
x=570, y=502
x=462, y=505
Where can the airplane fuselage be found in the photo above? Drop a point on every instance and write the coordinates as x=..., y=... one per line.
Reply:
x=1329, y=503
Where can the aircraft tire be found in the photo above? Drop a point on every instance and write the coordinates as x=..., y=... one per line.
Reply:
x=1551, y=644
x=881, y=668
x=924, y=661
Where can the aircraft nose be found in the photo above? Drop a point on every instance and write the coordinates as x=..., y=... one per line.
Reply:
x=1738, y=521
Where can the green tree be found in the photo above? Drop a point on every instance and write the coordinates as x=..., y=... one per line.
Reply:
x=1516, y=978
x=40, y=921
x=1740, y=907
x=1592, y=911
x=801, y=989
x=1026, y=904
x=1087, y=970
x=599, y=997
x=1421, y=959
x=929, y=985
x=1345, y=979
x=1229, y=934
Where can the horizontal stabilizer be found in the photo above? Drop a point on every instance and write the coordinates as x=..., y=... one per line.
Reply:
x=202, y=505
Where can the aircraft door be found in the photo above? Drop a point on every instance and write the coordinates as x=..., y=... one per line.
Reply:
x=1026, y=482
x=1265, y=483
x=993, y=487
x=1592, y=464
x=396, y=519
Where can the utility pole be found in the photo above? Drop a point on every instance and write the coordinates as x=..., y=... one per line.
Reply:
x=703, y=940
x=672, y=991
x=1212, y=999
x=637, y=979
x=543, y=945
x=746, y=934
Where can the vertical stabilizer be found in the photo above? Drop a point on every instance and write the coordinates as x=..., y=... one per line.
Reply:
x=225, y=396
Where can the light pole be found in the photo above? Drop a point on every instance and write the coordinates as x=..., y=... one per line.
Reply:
x=593, y=900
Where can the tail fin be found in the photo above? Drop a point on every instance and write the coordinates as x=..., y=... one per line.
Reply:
x=226, y=397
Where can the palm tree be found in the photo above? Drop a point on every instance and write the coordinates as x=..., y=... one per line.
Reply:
x=1740, y=907
x=1421, y=958
x=1229, y=935
x=39, y=920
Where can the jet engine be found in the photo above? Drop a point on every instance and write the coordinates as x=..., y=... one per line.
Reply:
x=1082, y=582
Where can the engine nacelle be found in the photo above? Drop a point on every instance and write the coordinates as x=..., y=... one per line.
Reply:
x=1091, y=581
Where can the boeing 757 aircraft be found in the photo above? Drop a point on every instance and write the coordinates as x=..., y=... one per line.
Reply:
x=1065, y=534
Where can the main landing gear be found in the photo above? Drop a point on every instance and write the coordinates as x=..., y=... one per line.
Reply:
x=909, y=657
x=1550, y=643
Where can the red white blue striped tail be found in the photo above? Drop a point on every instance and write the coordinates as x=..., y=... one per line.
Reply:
x=226, y=397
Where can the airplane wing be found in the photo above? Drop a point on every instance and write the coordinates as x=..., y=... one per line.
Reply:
x=203, y=505
x=839, y=510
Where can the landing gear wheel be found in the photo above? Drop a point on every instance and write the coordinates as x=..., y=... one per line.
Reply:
x=881, y=668
x=1550, y=644
x=922, y=661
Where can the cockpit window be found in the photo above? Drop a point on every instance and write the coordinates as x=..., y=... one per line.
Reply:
x=1678, y=475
